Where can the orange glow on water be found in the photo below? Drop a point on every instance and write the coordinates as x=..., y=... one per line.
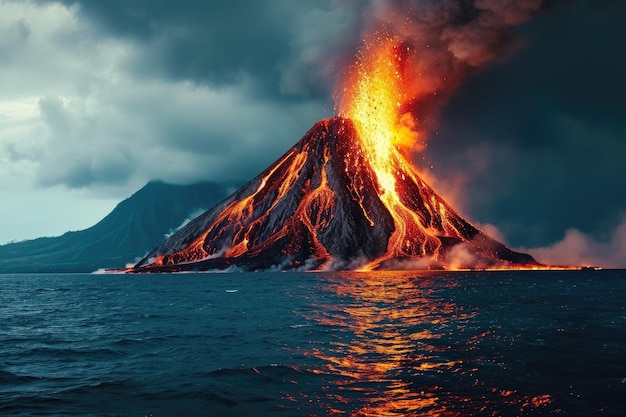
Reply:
x=393, y=350
x=380, y=347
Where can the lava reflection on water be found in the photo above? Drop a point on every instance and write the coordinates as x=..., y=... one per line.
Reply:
x=397, y=346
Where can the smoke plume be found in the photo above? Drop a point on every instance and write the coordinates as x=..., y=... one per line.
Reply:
x=442, y=41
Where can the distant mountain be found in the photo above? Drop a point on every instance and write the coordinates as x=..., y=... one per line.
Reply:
x=129, y=232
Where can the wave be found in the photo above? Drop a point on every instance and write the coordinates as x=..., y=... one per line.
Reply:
x=9, y=378
x=70, y=352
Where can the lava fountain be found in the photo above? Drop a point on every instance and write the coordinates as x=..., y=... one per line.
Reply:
x=374, y=99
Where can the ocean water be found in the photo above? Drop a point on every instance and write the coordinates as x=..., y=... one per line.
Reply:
x=314, y=344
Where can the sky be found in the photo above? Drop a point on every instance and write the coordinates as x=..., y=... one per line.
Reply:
x=99, y=97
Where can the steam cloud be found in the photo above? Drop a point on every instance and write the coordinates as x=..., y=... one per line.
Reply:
x=192, y=215
x=578, y=248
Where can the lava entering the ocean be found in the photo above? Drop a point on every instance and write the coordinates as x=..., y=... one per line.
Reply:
x=344, y=197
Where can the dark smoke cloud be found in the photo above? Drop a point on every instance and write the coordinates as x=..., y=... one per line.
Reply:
x=545, y=125
x=445, y=42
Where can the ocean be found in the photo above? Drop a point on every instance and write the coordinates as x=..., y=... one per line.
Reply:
x=504, y=343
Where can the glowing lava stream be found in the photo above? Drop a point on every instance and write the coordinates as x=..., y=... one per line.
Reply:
x=373, y=100
x=235, y=213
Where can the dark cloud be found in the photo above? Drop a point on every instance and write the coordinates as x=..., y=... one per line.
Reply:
x=13, y=38
x=549, y=122
x=221, y=42
x=114, y=168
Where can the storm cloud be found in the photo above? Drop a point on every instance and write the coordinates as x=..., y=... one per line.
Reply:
x=544, y=128
x=99, y=97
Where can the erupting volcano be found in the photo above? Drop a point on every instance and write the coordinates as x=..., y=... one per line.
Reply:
x=344, y=197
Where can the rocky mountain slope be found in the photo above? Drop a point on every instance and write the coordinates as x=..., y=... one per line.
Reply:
x=323, y=205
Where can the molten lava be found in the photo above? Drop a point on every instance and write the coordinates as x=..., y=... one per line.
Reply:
x=344, y=197
x=373, y=99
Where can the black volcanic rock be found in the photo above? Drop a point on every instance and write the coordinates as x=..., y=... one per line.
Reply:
x=133, y=228
x=318, y=207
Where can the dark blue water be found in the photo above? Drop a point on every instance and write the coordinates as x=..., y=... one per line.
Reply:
x=288, y=344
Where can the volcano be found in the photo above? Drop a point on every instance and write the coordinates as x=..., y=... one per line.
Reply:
x=324, y=206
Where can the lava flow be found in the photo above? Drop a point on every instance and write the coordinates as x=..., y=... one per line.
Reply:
x=344, y=197
x=373, y=99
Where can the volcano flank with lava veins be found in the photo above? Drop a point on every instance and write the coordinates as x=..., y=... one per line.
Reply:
x=324, y=206
x=344, y=197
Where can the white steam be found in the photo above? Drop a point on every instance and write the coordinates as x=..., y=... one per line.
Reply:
x=580, y=249
x=576, y=248
x=192, y=215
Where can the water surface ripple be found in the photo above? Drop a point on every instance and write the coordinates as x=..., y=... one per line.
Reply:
x=314, y=344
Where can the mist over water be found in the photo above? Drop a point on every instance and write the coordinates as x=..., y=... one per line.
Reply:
x=300, y=344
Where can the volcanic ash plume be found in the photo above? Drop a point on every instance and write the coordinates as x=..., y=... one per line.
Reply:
x=436, y=43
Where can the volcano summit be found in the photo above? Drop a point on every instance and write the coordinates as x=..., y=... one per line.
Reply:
x=325, y=206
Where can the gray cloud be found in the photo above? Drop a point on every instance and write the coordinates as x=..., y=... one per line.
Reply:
x=13, y=37
x=75, y=154
x=217, y=42
x=320, y=39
